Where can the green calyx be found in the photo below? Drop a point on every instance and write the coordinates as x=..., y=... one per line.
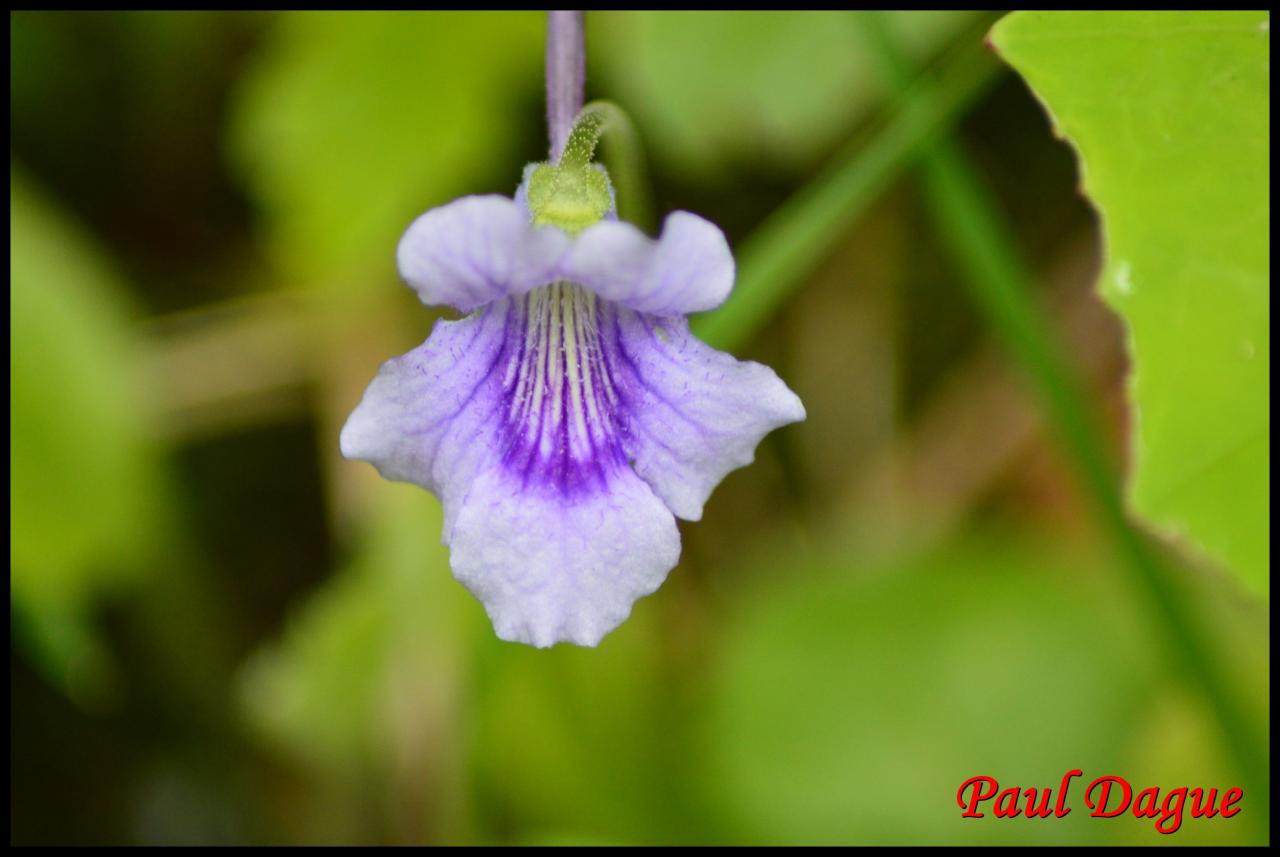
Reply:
x=571, y=198
x=575, y=193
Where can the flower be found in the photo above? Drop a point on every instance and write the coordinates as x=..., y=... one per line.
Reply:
x=571, y=416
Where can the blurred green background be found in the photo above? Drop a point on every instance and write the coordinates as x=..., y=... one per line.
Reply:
x=223, y=632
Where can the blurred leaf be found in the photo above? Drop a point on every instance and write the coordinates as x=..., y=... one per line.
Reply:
x=851, y=703
x=783, y=251
x=388, y=624
x=44, y=68
x=351, y=125
x=714, y=89
x=570, y=840
x=973, y=228
x=577, y=740
x=1169, y=113
x=373, y=683
x=318, y=691
x=84, y=487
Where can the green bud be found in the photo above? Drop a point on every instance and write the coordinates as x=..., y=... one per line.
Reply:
x=575, y=193
x=569, y=197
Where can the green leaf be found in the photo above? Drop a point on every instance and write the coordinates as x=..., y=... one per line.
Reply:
x=85, y=475
x=373, y=647
x=709, y=89
x=353, y=124
x=848, y=703
x=784, y=250
x=392, y=669
x=362, y=689
x=577, y=740
x=1169, y=113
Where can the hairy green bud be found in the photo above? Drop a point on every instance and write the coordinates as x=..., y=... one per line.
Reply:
x=571, y=197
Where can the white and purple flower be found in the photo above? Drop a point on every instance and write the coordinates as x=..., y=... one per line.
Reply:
x=571, y=417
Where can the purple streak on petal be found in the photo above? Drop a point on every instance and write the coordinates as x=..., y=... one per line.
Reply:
x=566, y=71
x=691, y=414
x=558, y=430
x=523, y=418
x=429, y=416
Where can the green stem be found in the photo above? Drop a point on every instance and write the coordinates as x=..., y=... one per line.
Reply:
x=626, y=156
x=783, y=251
x=588, y=125
x=998, y=284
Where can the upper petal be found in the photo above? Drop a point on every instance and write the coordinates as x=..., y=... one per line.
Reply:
x=692, y=414
x=687, y=269
x=551, y=567
x=477, y=249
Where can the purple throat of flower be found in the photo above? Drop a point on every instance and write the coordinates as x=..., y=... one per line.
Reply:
x=570, y=417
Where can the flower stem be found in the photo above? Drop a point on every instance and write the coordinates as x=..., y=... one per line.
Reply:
x=566, y=64
x=581, y=147
x=624, y=156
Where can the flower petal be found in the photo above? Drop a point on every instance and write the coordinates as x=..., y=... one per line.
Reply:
x=688, y=269
x=478, y=249
x=692, y=414
x=428, y=416
x=551, y=567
